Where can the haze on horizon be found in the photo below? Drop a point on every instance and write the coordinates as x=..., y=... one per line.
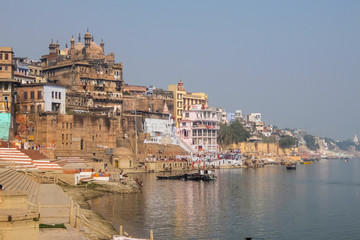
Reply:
x=296, y=62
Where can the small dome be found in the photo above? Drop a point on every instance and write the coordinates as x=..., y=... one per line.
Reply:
x=94, y=48
x=79, y=47
x=121, y=151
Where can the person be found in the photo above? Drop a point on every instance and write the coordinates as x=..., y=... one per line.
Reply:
x=1, y=187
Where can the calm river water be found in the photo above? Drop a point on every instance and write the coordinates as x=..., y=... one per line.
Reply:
x=318, y=201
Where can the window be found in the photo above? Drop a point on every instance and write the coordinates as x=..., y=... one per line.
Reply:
x=194, y=132
x=62, y=136
x=39, y=108
x=70, y=125
x=6, y=68
x=187, y=115
x=59, y=95
x=0, y=56
x=63, y=124
x=25, y=95
x=6, y=86
x=52, y=94
x=24, y=108
x=32, y=95
x=67, y=125
x=0, y=68
x=100, y=127
x=56, y=95
x=39, y=94
x=32, y=108
x=6, y=56
x=67, y=136
x=70, y=137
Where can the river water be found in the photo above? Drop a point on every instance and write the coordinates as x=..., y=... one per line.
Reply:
x=317, y=201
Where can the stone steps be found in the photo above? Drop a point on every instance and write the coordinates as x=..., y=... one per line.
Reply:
x=21, y=161
x=19, y=182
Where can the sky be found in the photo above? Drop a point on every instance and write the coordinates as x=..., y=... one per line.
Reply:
x=296, y=62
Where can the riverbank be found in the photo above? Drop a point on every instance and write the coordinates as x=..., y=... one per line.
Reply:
x=82, y=194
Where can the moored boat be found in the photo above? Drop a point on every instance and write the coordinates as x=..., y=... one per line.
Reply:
x=291, y=166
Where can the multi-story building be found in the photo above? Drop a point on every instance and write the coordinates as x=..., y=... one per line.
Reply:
x=35, y=71
x=7, y=84
x=199, y=128
x=40, y=97
x=223, y=117
x=184, y=100
x=254, y=117
x=86, y=71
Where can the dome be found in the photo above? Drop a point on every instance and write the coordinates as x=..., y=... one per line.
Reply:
x=94, y=48
x=64, y=51
x=79, y=47
x=121, y=151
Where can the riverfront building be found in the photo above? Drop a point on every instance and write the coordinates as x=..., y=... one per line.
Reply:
x=184, y=100
x=199, y=129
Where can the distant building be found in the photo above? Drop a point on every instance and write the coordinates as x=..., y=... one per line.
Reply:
x=254, y=117
x=134, y=89
x=199, y=129
x=223, y=118
x=356, y=140
x=184, y=100
x=239, y=116
x=230, y=117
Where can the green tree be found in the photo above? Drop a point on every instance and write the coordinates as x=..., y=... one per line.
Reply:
x=310, y=142
x=238, y=132
x=224, y=136
x=287, y=142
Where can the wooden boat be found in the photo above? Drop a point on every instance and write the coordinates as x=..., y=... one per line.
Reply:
x=291, y=166
x=177, y=177
x=202, y=175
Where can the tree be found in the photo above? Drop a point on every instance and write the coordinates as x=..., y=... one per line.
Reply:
x=310, y=142
x=287, y=142
x=224, y=136
x=238, y=132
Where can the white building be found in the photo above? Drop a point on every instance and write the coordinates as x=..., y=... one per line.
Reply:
x=254, y=117
x=199, y=129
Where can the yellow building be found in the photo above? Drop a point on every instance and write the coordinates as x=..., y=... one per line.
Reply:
x=184, y=100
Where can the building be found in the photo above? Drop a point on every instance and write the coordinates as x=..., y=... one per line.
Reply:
x=35, y=71
x=254, y=117
x=239, y=116
x=7, y=85
x=134, y=90
x=199, y=128
x=223, y=117
x=40, y=97
x=85, y=70
x=184, y=100
x=356, y=140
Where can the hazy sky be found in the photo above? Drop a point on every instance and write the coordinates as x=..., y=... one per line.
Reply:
x=296, y=62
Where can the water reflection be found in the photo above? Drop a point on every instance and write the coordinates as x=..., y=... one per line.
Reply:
x=272, y=203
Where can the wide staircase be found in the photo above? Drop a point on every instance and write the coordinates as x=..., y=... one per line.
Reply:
x=19, y=182
x=26, y=159
x=75, y=162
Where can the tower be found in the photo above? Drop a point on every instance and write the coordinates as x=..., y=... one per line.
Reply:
x=57, y=46
x=356, y=140
x=102, y=45
x=72, y=45
x=87, y=39
x=52, y=47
